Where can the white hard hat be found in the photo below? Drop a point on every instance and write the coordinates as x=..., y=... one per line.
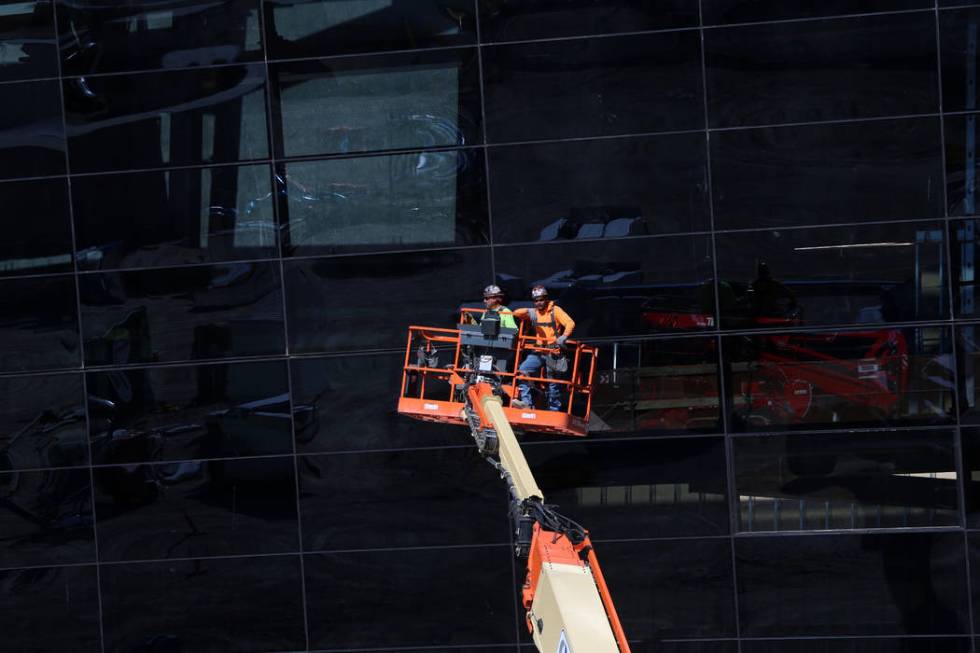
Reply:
x=492, y=291
x=539, y=291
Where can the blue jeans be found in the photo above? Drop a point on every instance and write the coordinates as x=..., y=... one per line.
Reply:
x=531, y=367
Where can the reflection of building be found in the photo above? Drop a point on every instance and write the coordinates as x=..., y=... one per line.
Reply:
x=219, y=219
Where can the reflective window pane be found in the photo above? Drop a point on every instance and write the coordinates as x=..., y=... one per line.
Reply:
x=310, y=28
x=671, y=590
x=50, y=609
x=402, y=201
x=845, y=68
x=971, y=473
x=779, y=176
x=109, y=37
x=32, y=134
x=141, y=602
x=599, y=188
x=175, y=216
x=626, y=287
x=335, y=406
x=638, y=488
x=196, y=508
x=401, y=499
x=964, y=239
x=889, y=645
x=834, y=275
x=894, y=479
x=42, y=422
x=38, y=324
x=961, y=164
x=656, y=386
x=968, y=359
x=332, y=303
x=166, y=118
x=958, y=44
x=827, y=379
x=37, y=229
x=27, y=40
x=407, y=597
x=594, y=87
x=871, y=584
x=187, y=412
x=46, y=518
x=182, y=313
x=501, y=20
x=746, y=11
x=384, y=102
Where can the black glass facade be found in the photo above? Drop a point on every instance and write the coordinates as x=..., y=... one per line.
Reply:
x=220, y=217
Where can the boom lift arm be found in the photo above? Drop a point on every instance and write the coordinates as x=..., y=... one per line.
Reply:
x=569, y=608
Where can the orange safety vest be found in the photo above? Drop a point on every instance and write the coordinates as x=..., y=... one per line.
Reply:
x=548, y=324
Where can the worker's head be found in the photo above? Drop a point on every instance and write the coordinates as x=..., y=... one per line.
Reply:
x=539, y=295
x=493, y=296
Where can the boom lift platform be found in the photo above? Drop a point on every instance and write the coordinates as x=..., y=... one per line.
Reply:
x=569, y=607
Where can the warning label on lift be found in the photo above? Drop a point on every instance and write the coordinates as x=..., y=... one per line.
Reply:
x=563, y=643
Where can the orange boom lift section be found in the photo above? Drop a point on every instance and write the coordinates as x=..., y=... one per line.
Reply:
x=569, y=606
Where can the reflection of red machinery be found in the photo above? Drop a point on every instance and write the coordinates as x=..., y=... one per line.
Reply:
x=431, y=388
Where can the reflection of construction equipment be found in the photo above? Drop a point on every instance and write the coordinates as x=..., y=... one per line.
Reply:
x=568, y=605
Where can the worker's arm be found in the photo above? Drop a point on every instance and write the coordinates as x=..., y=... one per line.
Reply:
x=565, y=321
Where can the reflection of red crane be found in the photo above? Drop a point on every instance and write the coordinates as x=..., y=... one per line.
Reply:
x=779, y=378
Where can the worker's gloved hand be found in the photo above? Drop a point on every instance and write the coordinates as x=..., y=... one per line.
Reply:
x=561, y=340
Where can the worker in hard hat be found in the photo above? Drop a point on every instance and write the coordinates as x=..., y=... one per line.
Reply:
x=493, y=300
x=552, y=327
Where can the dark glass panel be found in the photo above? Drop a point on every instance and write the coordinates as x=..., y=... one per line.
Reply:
x=656, y=386
x=431, y=497
x=27, y=40
x=973, y=548
x=780, y=176
x=967, y=352
x=688, y=647
x=834, y=275
x=244, y=604
x=670, y=590
x=46, y=518
x=594, y=87
x=624, y=287
x=411, y=599
x=156, y=119
x=50, y=609
x=107, y=37
x=37, y=238
x=367, y=302
x=884, y=645
x=958, y=45
x=310, y=28
x=32, y=134
x=38, y=324
x=181, y=413
x=42, y=422
x=964, y=239
x=608, y=188
x=174, y=216
x=382, y=102
x=846, y=68
x=504, y=20
x=402, y=201
x=891, y=479
x=872, y=584
x=746, y=11
x=960, y=133
x=196, y=508
x=833, y=379
x=971, y=474
x=638, y=488
x=182, y=313
x=335, y=406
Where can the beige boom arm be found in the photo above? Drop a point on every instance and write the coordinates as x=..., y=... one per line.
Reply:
x=568, y=607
